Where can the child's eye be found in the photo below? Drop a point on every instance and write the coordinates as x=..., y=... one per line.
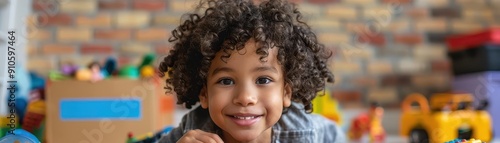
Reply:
x=263, y=80
x=225, y=81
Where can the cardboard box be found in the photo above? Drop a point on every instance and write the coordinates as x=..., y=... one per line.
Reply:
x=105, y=111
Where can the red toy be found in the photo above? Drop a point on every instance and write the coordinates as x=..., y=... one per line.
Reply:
x=465, y=41
x=370, y=124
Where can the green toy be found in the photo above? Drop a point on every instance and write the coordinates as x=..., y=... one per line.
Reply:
x=129, y=71
x=4, y=125
x=57, y=75
x=147, y=60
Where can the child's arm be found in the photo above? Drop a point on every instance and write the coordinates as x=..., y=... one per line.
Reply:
x=188, y=130
x=200, y=136
x=175, y=134
x=172, y=136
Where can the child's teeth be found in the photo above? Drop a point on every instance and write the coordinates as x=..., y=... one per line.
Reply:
x=245, y=118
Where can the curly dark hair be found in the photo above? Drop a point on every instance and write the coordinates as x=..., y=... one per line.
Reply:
x=227, y=25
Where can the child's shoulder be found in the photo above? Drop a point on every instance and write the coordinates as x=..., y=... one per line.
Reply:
x=297, y=118
x=296, y=122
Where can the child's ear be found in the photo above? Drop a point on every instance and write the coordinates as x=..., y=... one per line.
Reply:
x=203, y=98
x=287, y=97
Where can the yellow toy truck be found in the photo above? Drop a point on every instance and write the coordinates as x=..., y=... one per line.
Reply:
x=450, y=116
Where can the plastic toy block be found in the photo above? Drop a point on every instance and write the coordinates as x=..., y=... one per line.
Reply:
x=464, y=141
x=5, y=126
x=471, y=40
x=479, y=59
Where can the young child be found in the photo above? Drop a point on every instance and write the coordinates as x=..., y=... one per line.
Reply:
x=255, y=69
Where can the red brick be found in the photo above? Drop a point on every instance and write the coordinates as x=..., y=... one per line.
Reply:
x=163, y=49
x=44, y=5
x=112, y=5
x=446, y=12
x=100, y=20
x=364, y=81
x=96, y=49
x=113, y=34
x=123, y=60
x=322, y=1
x=61, y=49
x=410, y=39
x=441, y=66
x=382, y=95
x=354, y=26
x=397, y=1
x=152, y=34
x=149, y=5
x=344, y=96
x=58, y=20
x=365, y=36
x=417, y=13
x=396, y=80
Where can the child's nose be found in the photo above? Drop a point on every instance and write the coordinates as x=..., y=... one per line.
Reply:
x=245, y=96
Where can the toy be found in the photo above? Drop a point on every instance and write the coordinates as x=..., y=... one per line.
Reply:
x=109, y=67
x=465, y=141
x=34, y=115
x=37, y=81
x=69, y=69
x=448, y=117
x=371, y=123
x=131, y=138
x=327, y=106
x=56, y=75
x=6, y=126
x=21, y=108
x=95, y=70
x=129, y=71
x=19, y=136
x=36, y=94
x=147, y=60
x=484, y=85
x=83, y=75
x=147, y=71
x=148, y=137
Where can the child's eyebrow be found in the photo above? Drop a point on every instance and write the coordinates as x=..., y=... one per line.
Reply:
x=257, y=69
x=221, y=69
x=265, y=68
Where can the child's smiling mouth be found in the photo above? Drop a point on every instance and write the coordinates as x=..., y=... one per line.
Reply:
x=245, y=119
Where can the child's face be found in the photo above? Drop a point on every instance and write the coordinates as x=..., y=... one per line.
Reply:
x=245, y=97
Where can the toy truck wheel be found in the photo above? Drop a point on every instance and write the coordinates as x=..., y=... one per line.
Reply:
x=419, y=136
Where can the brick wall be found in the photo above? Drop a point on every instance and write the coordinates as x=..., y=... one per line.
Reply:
x=384, y=49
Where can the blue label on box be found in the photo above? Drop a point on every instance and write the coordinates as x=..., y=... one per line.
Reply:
x=100, y=108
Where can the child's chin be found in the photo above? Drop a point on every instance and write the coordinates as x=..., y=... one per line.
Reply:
x=245, y=136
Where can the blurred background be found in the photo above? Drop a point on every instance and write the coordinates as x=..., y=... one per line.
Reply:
x=384, y=50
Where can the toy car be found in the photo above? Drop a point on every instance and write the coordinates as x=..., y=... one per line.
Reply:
x=450, y=116
x=465, y=141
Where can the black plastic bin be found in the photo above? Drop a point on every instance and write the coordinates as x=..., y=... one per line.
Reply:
x=475, y=59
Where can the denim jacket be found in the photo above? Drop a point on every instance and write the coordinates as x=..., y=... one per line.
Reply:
x=295, y=126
